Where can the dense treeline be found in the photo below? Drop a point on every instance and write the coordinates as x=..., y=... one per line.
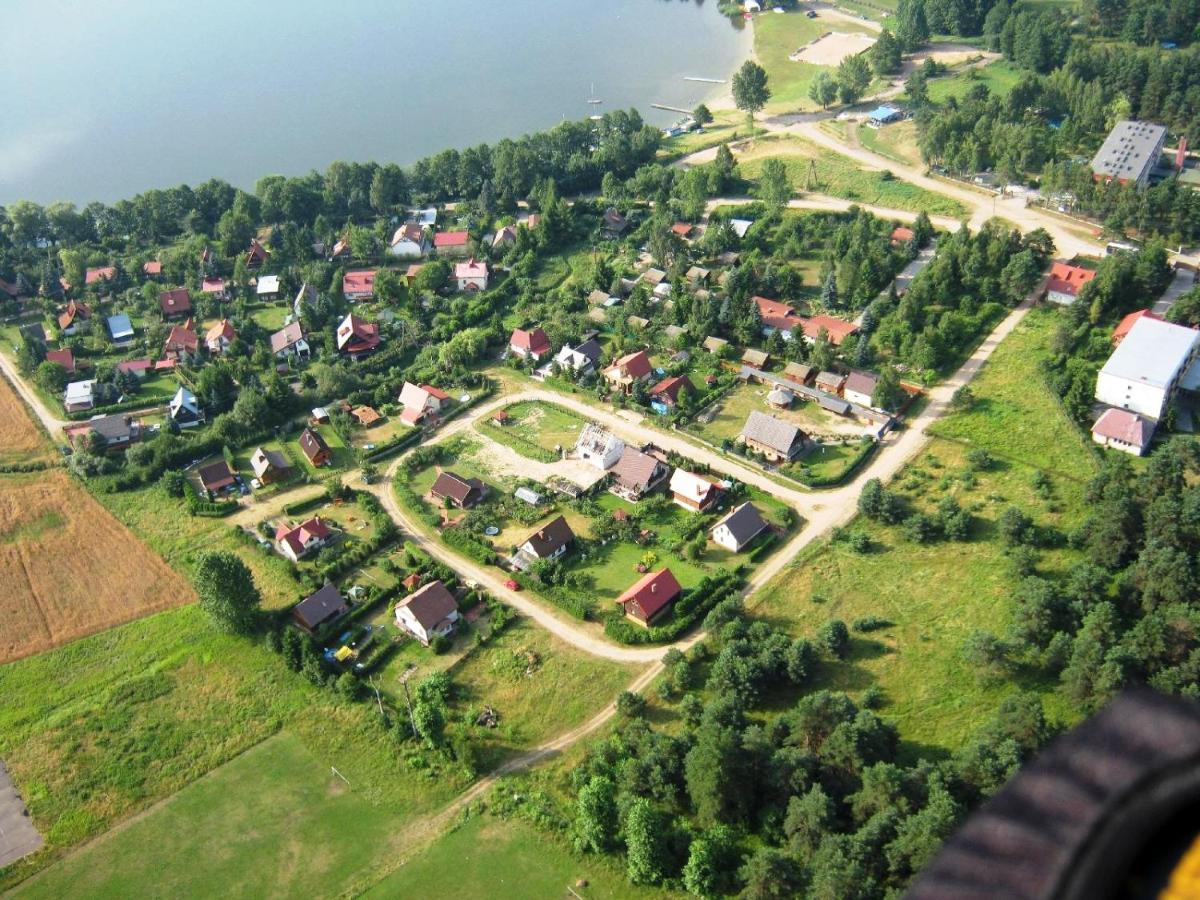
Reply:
x=1144, y=22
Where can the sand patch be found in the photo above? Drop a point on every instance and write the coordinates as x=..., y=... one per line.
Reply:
x=832, y=47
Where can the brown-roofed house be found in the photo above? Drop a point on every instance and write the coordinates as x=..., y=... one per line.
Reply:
x=175, y=303
x=901, y=235
x=319, y=608
x=366, y=416
x=220, y=336
x=637, y=474
x=215, y=477
x=181, y=342
x=548, y=542
x=69, y=318
x=757, y=359
x=269, y=466
x=629, y=370
x=257, y=255
x=314, y=448
x=462, y=492
x=668, y=391
x=428, y=613
x=650, y=597
x=859, y=387
x=289, y=342
x=800, y=373
x=774, y=438
x=830, y=382
x=356, y=338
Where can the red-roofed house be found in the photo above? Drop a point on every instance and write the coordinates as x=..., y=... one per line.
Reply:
x=420, y=402
x=682, y=229
x=451, y=243
x=220, y=336
x=64, y=358
x=1123, y=430
x=668, y=390
x=1126, y=324
x=257, y=255
x=650, y=597
x=776, y=316
x=136, y=367
x=152, y=268
x=175, y=304
x=180, y=343
x=359, y=285
x=215, y=286
x=69, y=318
x=533, y=344
x=357, y=338
x=296, y=542
x=1065, y=281
x=901, y=235
x=471, y=275
x=629, y=370
x=836, y=329
x=104, y=273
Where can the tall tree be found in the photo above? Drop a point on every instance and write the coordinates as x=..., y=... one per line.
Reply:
x=645, y=841
x=596, y=815
x=227, y=591
x=750, y=90
x=853, y=76
x=912, y=30
x=823, y=89
x=775, y=187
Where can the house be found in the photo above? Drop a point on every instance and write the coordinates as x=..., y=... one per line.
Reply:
x=859, y=388
x=693, y=492
x=650, y=597
x=120, y=329
x=775, y=439
x=1123, y=430
x=636, y=474
x=597, y=298
x=461, y=492
x=901, y=235
x=267, y=288
x=269, y=466
x=430, y=612
x=220, y=336
x=504, y=237
x=628, y=371
x=740, y=227
x=799, y=372
x=306, y=296
x=1153, y=361
x=115, y=432
x=358, y=285
x=1126, y=324
x=529, y=344
x=411, y=273
x=297, y=541
x=836, y=330
x=63, y=357
x=410, y=241
x=667, y=392
x=548, y=542
x=100, y=275
x=1064, y=282
x=715, y=345
x=599, y=447
x=356, y=338
x=366, y=416
x=175, y=303
x=181, y=343
x=756, y=359
x=884, y=115
x=289, y=343
x=78, y=395
x=216, y=477
x=697, y=275
x=319, y=608
x=830, y=382
x=214, y=286
x=776, y=316
x=674, y=332
x=69, y=318
x=256, y=256
x=184, y=410
x=1130, y=153
x=471, y=275
x=780, y=397
x=314, y=448
x=421, y=401
x=739, y=528
x=451, y=243
x=653, y=277
x=135, y=367
x=426, y=218
x=580, y=359
x=682, y=230
x=341, y=250
x=614, y=224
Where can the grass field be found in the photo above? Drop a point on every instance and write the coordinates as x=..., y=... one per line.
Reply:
x=21, y=440
x=68, y=568
x=1015, y=414
x=777, y=36
x=839, y=176
x=727, y=125
x=897, y=141
x=544, y=424
x=1000, y=77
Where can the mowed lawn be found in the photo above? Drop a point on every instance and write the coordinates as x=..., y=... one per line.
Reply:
x=1015, y=414
x=1000, y=77
x=488, y=858
x=544, y=424
x=775, y=37
x=840, y=176
x=934, y=594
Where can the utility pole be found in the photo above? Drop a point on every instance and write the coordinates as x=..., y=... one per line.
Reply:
x=408, y=673
x=378, y=699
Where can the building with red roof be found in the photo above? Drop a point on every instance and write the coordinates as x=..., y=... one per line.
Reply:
x=357, y=338
x=152, y=268
x=64, y=358
x=257, y=255
x=220, y=336
x=1064, y=282
x=901, y=235
x=298, y=541
x=837, y=330
x=181, y=343
x=103, y=273
x=532, y=344
x=651, y=596
x=668, y=390
x=175, y=303
x=214, y=285
x=1123, y=430
x=629, y=370
x=70, y=317
x=471, y=275
x=359, y=284
x=1126, y=324
x=451, y=243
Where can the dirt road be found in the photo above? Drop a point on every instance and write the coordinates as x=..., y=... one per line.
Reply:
x=52, y=423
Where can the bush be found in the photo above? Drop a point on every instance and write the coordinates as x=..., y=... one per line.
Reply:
x=871, y=623
x=631, y=705
x=834, y=638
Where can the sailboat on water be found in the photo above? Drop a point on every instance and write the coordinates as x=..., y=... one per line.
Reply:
x=593, y=100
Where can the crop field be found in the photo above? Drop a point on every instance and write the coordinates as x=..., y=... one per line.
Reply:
x=69, y=568
x=21, y=440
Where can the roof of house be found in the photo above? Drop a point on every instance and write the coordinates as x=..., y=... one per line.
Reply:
x=534, y=340
x=831, y=379
x=409, y=231
x=1068, y=279
x=683, y=229
x=795, y=371
x=883, y=112
x=1152, y=353
x=134, y=365
x=222, y=330
x=115, y=427
x=184, y=400
x=360, y=281
x=451, y=238
x=637, y=321
x=355, y=334
x=415, y=397
x=756, y=358
x=613, y=220
x=181, y=338
x=267, y=284
x=775, y=314
x=104, y=273
x=257, y=254
x=550, y=537
x=298, y=535
x=670, y=387
x=312, y=444
x=1126, y=324
x=457, y=488
x=79, y=391
x=74, y=310
x=781, y=396
x=596, y=439
x=861, y=383
x=175, y=302
x=597, y=297
x=1123, y=425
x=366, y=415
x=120, y=326
x=691, y=486
x=212, y=284
x=902, y=235
x=837, y=329
x=775, y=433
x=321, y=606
x=712, y=344
x=653, y=591
x=633, y=365
x=263, y=461
x=654, y=276
x=436, y=393
x=63, y=357
x=153, y=267
x=590, y=349
x=472, y=268
x=215, y=475
x=505, y=235
x=697, y=273
x=745, y=522
x=635, y=468
x=1128, y=151
x=431, y=604
x=286, y=336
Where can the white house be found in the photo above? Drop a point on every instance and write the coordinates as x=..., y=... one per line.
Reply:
x=599, y=447
x=430, y=612
x=185, y=410
x=859, y=387
x=471, y=275
x=548, y=542
x=267, y=287
x=739, y=528
x=409, y=242
x=79, y=395
x=1124, y=431
x=579, y=359
x=1149, y=366
x=692, y=492
x=421, y=400
x=296, y=542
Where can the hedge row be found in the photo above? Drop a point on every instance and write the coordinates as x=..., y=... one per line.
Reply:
x=303, y=506
x=470, y=545
x=690, y=609
x=135, y=403
x=31, y=466
x=395, y=445
x=865, y=449
x=205, y=508
x=578, y=604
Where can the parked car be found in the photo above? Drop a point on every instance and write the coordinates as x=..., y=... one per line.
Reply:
x=512, y=585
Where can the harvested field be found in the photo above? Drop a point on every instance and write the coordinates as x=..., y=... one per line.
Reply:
x=831, y=48
x=69, y=568
x=20, y=438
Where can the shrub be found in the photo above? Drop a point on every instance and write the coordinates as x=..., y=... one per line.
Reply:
x=834, y=638
x=871, y=623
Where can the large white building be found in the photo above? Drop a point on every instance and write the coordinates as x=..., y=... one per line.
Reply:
x=1153, y=361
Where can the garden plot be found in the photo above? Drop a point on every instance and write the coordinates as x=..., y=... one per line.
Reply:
x=833, y=47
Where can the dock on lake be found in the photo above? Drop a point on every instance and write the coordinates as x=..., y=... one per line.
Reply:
x=705, y=80
x=671, y=108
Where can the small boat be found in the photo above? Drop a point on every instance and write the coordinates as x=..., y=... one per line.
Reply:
x=592, y=100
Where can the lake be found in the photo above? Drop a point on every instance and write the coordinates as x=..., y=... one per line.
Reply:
x=103, y=99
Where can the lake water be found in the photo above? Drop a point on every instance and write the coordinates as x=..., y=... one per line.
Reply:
x=101, y=99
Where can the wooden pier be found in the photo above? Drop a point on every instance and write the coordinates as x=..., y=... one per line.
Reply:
x=671, y=108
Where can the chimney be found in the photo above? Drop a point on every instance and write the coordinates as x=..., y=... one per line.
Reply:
x=653, y=587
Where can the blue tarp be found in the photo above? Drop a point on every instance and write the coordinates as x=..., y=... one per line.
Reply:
x=883, y=112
